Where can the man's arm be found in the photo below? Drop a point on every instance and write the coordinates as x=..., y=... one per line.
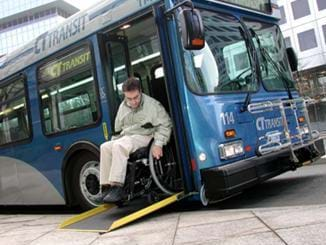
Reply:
x=163, y=126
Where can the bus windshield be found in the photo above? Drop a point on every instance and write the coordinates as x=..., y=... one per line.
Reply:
x=225, y=64
x=274, y=66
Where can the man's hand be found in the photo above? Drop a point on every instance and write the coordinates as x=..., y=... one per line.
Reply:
x=157, y=152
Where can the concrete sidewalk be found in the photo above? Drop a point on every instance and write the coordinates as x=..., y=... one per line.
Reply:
x=287, y=225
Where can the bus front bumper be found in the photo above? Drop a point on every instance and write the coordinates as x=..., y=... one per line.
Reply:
x=227, y=180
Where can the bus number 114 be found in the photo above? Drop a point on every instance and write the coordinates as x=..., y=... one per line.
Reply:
x=227, y=118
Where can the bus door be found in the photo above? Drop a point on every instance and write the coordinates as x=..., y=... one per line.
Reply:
x=118, y=67
x=133, y=49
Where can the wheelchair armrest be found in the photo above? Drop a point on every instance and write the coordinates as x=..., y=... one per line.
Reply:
x=139, y=154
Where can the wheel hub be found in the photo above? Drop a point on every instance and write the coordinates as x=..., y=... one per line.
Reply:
x=89, y=182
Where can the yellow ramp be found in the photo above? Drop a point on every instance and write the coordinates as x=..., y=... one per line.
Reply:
x=106, y=218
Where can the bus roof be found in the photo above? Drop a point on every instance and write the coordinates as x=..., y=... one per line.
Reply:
x=71, y=30
x=77, y=27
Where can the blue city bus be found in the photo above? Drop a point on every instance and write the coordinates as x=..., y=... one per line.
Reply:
x=220, y=69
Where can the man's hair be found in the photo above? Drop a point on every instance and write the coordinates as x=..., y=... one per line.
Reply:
x=131, y=84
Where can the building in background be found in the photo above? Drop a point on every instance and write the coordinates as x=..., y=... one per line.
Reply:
x=303, y=24
x=23, y=20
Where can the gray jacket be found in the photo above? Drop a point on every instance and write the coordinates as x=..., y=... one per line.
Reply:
x=150, y=118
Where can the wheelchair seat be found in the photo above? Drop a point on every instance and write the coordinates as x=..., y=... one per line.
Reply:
x=139, y=154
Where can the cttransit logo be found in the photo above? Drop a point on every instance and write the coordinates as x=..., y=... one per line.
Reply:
x=54, y=38
x=269, y=123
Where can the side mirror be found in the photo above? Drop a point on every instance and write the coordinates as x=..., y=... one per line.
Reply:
x=192, y=29
x=293, y=60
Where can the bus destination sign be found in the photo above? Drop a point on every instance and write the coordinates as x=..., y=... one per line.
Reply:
x=65, y=65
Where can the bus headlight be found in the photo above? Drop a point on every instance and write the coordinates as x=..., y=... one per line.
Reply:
x=304, y=130
x=232, y=149
x=202, y=157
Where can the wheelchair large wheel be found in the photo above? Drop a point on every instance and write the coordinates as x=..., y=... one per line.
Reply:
x=165, y=171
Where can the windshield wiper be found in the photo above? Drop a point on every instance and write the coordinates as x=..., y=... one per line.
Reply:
x=254, y=34
x=251, y=53
x=266, y=56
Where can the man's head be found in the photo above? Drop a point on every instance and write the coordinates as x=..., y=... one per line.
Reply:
x=132, y=92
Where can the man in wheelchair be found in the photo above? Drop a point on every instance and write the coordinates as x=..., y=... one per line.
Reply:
x=140, y=119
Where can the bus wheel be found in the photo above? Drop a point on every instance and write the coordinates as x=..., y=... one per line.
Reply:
x=86, y=184
x=203, y=197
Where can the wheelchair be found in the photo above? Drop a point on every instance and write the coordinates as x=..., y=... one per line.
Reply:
x=147, y=176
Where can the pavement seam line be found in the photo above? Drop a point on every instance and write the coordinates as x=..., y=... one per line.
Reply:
x=44, y=234
x=300, y=226
x=218, y=222
x=270, y=228
x=176, y=228
x=96, y=238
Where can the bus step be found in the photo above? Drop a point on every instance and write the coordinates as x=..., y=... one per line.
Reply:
x=108, y=217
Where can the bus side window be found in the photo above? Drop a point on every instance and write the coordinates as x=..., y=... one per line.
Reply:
x=47, y=119
x=68, y=97
x=14, y=121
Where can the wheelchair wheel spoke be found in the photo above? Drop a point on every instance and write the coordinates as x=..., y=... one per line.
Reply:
x=160, y=166
x=165, y=171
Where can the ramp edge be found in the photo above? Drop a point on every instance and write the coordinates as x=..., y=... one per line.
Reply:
x=85, y=215
x=150, y=209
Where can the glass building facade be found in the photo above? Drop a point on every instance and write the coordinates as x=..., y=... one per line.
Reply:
x=23, y=20
x=303, y=24
x=9, y=7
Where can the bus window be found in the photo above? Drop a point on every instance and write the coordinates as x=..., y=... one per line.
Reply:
x=237, y=60
x=117, y=47
x=224, y=64
x=271, y=42
x=14, y=121
x=67, y=91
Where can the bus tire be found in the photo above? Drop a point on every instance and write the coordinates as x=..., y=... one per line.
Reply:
x=85, y=183
x=204, y=200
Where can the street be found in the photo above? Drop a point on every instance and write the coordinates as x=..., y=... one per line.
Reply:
x=305, y=186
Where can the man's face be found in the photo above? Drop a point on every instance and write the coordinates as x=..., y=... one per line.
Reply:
x=133, y=98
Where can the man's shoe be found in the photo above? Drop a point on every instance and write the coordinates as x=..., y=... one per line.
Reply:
x=115, y=194
x=104, y=193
